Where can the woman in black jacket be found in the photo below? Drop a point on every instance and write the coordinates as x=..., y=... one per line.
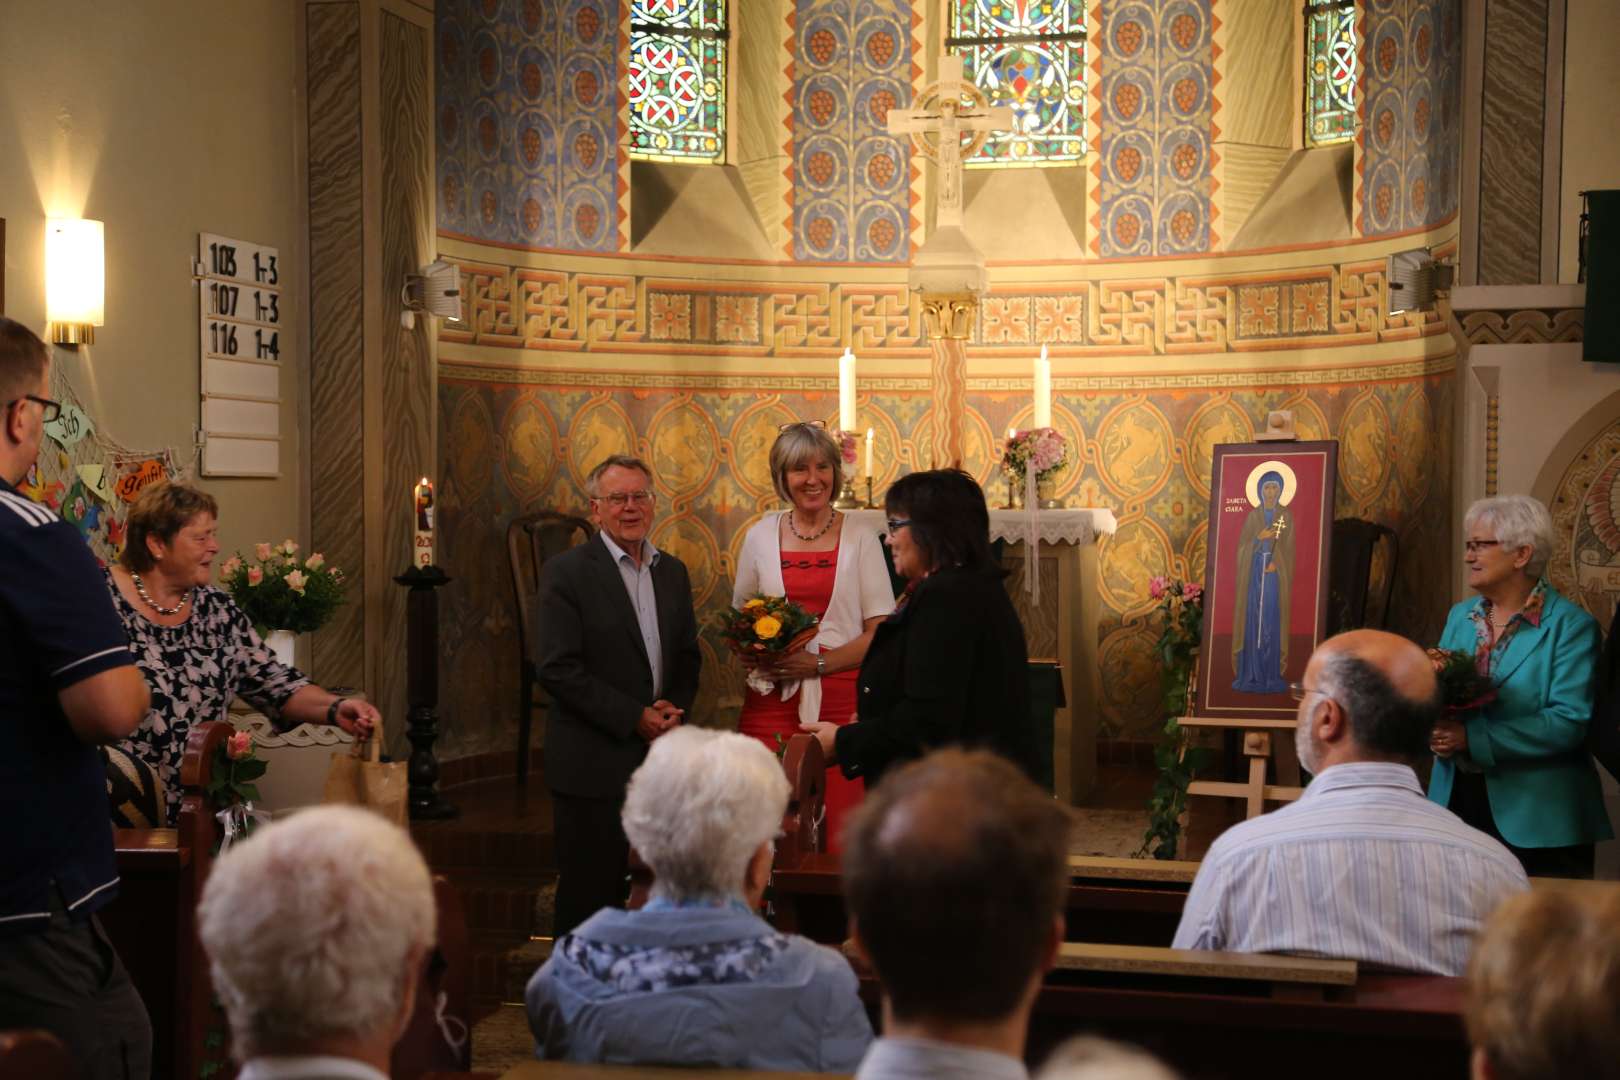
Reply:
x=949, y=667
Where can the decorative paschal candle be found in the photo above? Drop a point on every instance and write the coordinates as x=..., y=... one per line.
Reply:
x=422, y=497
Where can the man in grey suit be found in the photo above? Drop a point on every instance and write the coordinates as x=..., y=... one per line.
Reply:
x=616, y=648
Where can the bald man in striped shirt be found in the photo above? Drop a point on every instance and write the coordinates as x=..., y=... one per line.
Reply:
x=1363, y=867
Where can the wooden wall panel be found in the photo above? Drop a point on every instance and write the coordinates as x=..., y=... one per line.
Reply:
x=336, y=282
x=405, y=132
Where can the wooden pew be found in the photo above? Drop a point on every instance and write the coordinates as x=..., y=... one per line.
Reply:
x=36, y=1055
x=1215, y=1014
x=153, y=921
x=1123, y=901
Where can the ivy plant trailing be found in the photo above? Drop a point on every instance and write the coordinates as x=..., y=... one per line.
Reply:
x=1181, y=606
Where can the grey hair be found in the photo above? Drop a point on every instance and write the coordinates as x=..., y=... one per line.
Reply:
x=699, y=807
x=614, y=461
x=1518, y=521
x=308, y=925
x=1383, y=721
x=801, y=443
x=1088, y=1057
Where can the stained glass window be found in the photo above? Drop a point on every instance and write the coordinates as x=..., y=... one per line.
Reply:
x=1030, y=54
x=677, y=80
x=1331, y=71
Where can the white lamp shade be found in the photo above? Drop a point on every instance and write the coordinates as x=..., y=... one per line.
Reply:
x=75, y=271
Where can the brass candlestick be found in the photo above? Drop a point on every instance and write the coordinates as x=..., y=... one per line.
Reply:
x=870, y=505
x=847, y=499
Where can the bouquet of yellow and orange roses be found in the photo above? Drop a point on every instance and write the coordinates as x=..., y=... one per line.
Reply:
x=766, y=626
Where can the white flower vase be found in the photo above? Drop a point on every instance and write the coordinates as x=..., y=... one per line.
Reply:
x=281, y=645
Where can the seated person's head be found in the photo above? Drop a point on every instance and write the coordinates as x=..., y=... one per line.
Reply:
x=1369, y=696
x=1544, y=986
x=1087, y=1057
x=702, y=811
x=316, y=928
x=955, y=870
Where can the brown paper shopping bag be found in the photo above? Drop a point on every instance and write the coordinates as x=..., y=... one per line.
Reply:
x=361, y=778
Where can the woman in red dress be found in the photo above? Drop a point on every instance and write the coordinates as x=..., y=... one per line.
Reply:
x=811, y=555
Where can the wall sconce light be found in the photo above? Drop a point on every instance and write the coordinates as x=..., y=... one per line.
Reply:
x=75, y=280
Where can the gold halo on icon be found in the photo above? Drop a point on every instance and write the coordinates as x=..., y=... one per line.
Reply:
x=1251, y=487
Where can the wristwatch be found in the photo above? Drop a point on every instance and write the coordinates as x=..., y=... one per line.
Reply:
x=332, y=709
x=821, y=665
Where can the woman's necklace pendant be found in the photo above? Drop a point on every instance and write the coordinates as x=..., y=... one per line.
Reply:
x=140, y=590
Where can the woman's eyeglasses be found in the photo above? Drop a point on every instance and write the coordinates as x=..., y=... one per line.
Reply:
x=1474, y=547
x=896, y=524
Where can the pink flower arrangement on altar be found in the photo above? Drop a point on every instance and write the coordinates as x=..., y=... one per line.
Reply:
x=846, y=445
x=1043, y=449
x=1159, y=587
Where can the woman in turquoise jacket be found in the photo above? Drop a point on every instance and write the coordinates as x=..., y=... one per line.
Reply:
x=1518, y=768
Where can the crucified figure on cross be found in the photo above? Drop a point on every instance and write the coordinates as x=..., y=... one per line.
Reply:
x=948, y=117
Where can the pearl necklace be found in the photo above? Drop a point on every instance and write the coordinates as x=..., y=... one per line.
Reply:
x=832, y=517
x=140, y=590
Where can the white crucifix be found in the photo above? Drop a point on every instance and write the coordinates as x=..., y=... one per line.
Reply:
x=950, y=107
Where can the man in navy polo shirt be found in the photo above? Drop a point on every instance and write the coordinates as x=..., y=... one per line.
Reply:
x=67, y=684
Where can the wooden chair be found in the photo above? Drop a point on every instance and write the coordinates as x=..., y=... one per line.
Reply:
x=530, y=540
x=424, y=1047
x=153, y=921
x=1355, y=544
x=36, y=1055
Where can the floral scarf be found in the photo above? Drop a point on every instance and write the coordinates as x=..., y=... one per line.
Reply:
x=1486, y=653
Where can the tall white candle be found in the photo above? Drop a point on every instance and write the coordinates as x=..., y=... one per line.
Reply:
x=1043, y=391
x=868, y=453
x=846, y=391
x=422, y=519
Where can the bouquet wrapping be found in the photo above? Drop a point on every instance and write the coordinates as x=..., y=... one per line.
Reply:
x=766, y=626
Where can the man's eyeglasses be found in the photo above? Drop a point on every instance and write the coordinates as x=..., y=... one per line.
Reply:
x=784, y=428
x=1474, y=547
x=1298, y=690
x=49, y=410
x=621, y=499
x=896, y=524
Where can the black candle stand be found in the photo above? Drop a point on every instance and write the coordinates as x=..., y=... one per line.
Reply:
x=422, y=690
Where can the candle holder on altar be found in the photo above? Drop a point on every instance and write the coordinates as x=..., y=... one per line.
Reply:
x=870, y=505
x=847, y=499
x=422, y=690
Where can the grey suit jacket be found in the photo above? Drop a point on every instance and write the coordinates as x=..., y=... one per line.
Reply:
x=591, y=659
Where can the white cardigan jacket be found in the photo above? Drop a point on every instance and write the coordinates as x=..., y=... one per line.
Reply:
x=861, y=591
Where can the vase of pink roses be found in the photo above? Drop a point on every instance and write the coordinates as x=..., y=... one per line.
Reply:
x=1042, y=451
x=283, y=593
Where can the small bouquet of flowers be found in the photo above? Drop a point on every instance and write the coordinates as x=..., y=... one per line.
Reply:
x=763, y=627
x=1044, y=450
x=232, y=788
x=1462, y=687
x=280, y=591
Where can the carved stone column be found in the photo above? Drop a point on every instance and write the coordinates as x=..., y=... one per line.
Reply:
x=948, y=320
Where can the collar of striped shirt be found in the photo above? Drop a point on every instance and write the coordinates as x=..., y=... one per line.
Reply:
x=1354, y=774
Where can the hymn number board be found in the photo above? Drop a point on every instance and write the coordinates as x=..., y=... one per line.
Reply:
x=243, y=330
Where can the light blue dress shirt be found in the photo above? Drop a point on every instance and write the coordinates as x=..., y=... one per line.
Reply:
x=924, y=1059
x=1363, y=867
x=638, y=583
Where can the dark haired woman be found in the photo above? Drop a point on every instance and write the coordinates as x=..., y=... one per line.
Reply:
x=949, y=667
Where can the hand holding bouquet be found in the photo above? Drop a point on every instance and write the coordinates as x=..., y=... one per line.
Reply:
x=1463, y=687
x=765, y=627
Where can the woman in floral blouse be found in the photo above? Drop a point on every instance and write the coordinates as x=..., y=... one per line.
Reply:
x=194, y=645
x=1518, y=768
